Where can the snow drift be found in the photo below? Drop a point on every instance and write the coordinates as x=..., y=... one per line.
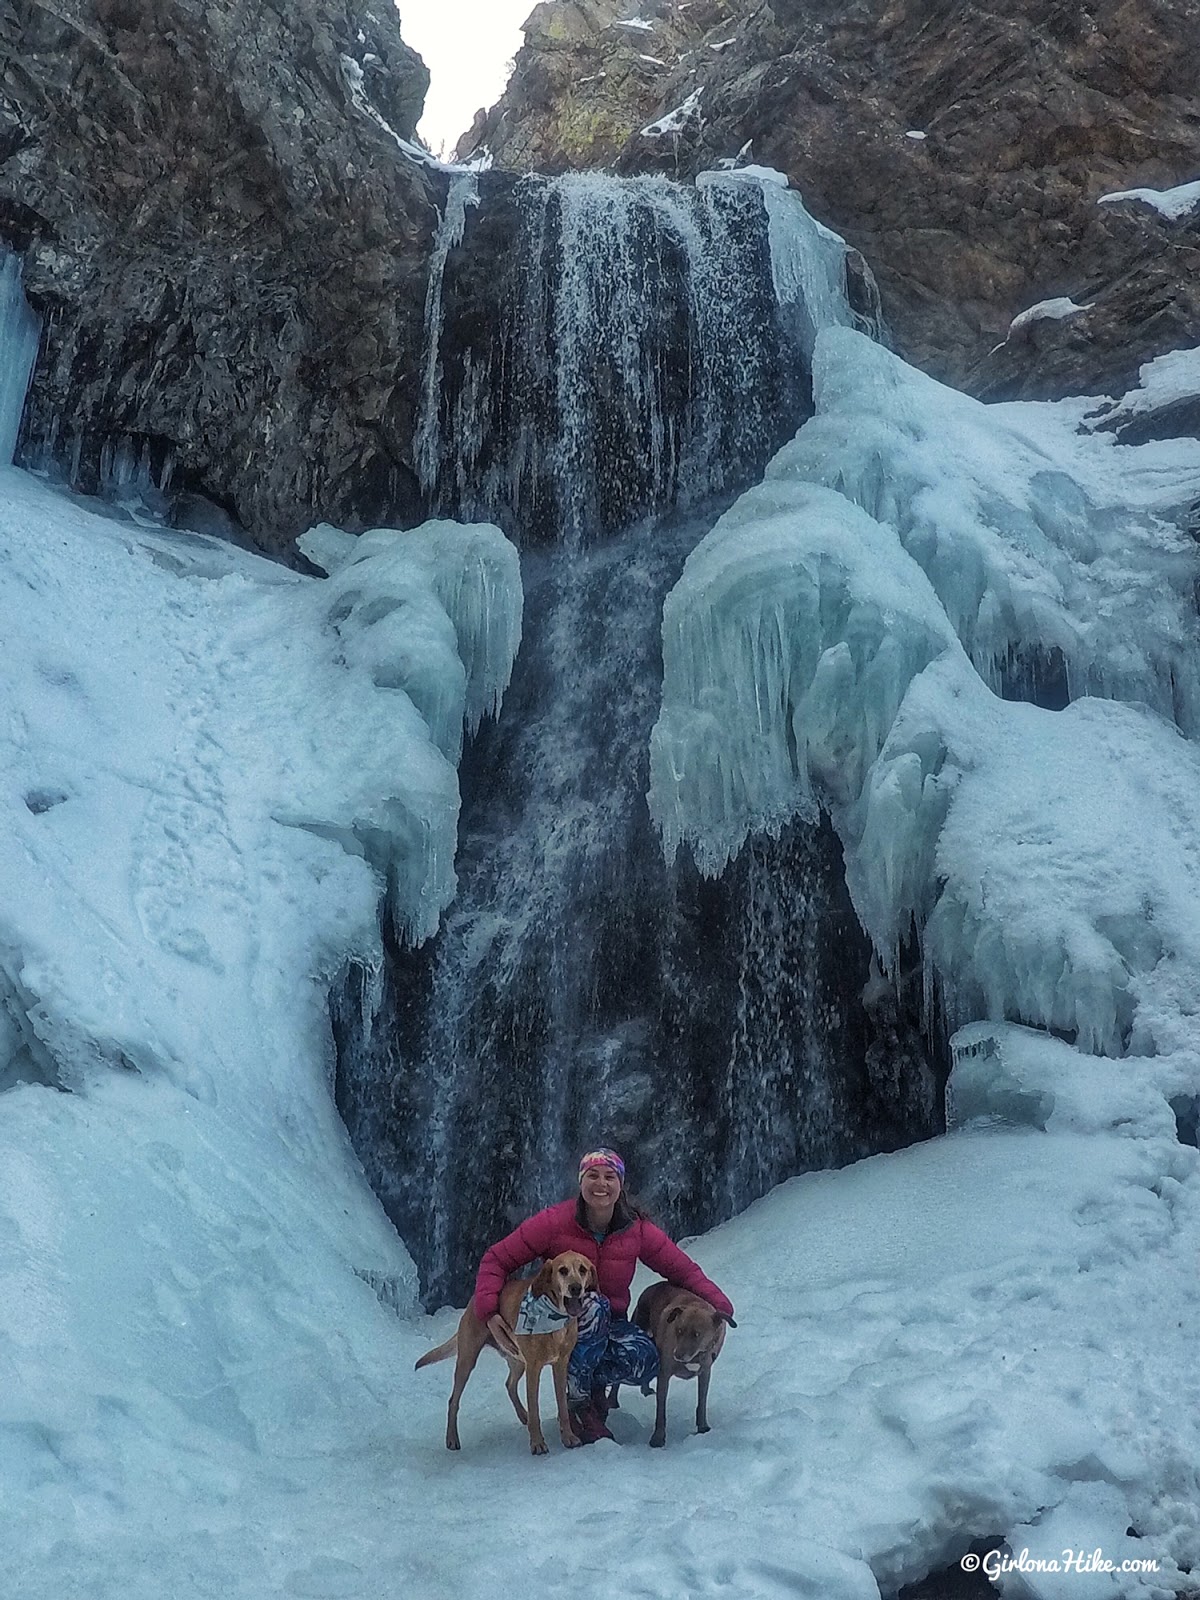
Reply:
x=211, y=766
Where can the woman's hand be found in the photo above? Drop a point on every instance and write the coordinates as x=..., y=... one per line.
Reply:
x=503, y=1335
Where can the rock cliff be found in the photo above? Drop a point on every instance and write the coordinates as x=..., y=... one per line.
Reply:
x=227, y=245
x=962, y=149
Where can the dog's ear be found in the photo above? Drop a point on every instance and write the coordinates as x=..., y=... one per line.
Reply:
x=544, y=1282
x=673, y=1313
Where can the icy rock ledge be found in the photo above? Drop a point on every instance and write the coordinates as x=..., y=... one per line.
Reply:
x=1054, y=554
x=1049, y=861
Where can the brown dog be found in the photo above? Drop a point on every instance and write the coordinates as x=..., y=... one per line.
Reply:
x=689, y=1334
x=564, y=1280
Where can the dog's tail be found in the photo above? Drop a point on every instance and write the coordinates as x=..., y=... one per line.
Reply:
x=442, y=1353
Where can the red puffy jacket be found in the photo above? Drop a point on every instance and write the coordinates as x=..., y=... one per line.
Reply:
x=556, y=1229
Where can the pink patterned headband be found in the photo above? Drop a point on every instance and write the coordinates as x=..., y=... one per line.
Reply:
x=602, y=1158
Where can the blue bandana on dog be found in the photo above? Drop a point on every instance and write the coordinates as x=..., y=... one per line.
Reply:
x=539, y=1314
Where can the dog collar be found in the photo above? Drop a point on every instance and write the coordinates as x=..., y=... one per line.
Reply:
x=539, y=1314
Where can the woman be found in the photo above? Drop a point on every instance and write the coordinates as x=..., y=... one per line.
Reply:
x=601, y=1224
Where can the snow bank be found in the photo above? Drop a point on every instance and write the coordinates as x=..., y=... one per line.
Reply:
x=1052, y=552
x=991, y=1333
x=208, y=766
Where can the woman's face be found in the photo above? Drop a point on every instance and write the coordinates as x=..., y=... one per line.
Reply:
x=600, y=1187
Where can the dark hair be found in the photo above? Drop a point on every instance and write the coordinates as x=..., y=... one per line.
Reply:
x=625, y=1211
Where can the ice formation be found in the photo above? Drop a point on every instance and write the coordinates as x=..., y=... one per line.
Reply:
x=435, y=611
x=1049, y=861
x=808, y=260
x=463, y=192
x=19, y=334
x=1054, y=555
x=788, y=644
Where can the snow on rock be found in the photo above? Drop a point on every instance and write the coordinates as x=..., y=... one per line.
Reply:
x=206, y=771
x=1046, y=311
x=1174, y=204
x=1054, y=553
x=1161, y=382
x=675, y=121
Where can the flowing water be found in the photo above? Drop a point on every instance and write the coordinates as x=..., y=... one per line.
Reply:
x=640, y=364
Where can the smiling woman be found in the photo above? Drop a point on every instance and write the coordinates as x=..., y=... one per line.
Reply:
x=468, y=46
x=600, y=1224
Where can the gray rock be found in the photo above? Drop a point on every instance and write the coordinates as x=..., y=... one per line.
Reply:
x=227, y=250
x=1030, y=112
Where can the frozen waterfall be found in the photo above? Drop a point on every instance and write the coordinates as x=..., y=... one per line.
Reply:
x=835, y=641
x=641, y=348
x=651, y=345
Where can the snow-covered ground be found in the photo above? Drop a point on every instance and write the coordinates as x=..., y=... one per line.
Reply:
x=964, y=1338
x=209, y=767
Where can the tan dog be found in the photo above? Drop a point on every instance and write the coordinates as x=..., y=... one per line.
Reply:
x=689, y=1334
x=565, y=1280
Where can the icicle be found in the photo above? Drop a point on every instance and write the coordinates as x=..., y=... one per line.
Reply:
x=463, y=192
x=20, y=331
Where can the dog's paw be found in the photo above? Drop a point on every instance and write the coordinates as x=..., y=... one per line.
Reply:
x=571, y=1441
x=703, y=1427
x=539, y=1447
x=657, y=1440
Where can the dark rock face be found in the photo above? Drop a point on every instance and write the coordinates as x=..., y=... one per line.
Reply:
x=227, y=247
x=1030, y=111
